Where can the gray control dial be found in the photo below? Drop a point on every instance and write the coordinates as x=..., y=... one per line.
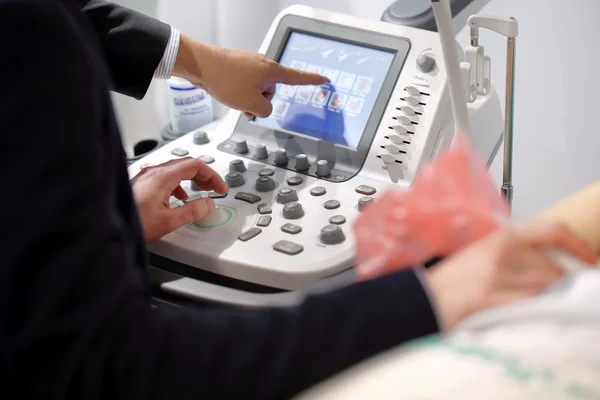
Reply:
x=293, y=211
x=234, y=179
x=265, y=184
x=323, y=168
x=237, y=166
x=241, y=147
x=261, y=152
x=287, y=195
x=332, y=234
x=302, y=162
x=426, y=62
x=281, y=157
x=201, y=138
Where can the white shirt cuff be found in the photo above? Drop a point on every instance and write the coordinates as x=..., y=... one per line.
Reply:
x=167, y=64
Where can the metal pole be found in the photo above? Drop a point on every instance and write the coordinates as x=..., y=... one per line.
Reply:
x=507, y=186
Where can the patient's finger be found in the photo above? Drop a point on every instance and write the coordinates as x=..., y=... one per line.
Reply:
x=559, y=236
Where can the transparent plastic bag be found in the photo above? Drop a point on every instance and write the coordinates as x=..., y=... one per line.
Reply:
x=451, y=203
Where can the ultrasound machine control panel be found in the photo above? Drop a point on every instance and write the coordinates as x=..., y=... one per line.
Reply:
x=299, y=179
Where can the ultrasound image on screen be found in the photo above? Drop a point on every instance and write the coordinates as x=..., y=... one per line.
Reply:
x=336, y=112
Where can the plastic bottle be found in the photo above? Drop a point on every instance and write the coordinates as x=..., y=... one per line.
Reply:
x=190, y=107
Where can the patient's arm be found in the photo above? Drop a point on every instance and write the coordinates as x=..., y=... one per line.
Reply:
x=581, y=212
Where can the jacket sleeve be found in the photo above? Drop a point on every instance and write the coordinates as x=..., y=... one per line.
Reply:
x=133, y=44
x=74, y=319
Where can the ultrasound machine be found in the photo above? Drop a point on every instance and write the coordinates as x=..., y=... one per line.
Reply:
x=299, y=179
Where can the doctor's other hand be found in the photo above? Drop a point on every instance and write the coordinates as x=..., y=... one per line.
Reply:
x=153, y=187
x=506, y=266
x=241, y=80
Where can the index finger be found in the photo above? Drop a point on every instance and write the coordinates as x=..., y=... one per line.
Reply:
x=197, y=171
x=291, y=76
x=559, y=236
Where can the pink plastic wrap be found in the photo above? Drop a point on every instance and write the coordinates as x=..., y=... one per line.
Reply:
x=451, y=203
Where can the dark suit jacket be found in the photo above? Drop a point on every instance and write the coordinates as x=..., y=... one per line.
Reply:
x=75, y=320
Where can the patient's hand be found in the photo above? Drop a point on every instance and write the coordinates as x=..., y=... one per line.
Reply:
x=508, y=265
x=152, y=189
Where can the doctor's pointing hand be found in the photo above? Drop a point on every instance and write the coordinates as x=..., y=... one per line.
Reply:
x=241, y=80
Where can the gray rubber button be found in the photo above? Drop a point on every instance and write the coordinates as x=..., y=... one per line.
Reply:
x=295, y=181
x=264, y=208
x=286, y=195
x=241, y=147
x=201, y=138
x=206, y=159
x=293, y=211
x=291, y=229
x=337, y=220
x=332, y=234
x=318, y=191
x=323, y=168
x=332, y=204
x=234, y=179
x=215, y=195
x=266, y=172
x=264, y=221
x=247, y=197
x=237, y=166
x=366, y=190
x=261, y=152
x=281, y=157
x=265, y=184
x=363, y=202
x=180, y=152
x=249, y=234
x=302, y=162
x=287, y=247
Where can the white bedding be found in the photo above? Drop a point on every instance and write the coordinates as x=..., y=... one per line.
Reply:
x=546, y=348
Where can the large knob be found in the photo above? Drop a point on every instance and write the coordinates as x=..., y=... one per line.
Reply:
x=363, y=202
x=241, y=147
x=287, y=195
x=234, y=179
x=281, y=157
x=237, y=166
x=261, y=152
x=265, y=184
x=302, y=162
x=323, y=168
x=293, y=211
x=426, y=62
x=201, y=138
x=332, y=234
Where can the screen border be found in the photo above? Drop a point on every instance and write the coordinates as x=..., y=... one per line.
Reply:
x=345, y=159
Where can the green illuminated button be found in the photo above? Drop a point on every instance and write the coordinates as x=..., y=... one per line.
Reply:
x=219, y=217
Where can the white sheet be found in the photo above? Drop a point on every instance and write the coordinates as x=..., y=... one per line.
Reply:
x=546, y=348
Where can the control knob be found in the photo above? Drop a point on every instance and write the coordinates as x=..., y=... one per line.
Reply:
x=281, y=157
x=241, y=146
x=293, y=211
x=201, y=137
x=237, y=166
x=332, y=234
x=323, y=168
x=426, y=62
x=261, y=152
x=302, y=162
x=287, y=195
x=265, y=184
x=234, y=179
